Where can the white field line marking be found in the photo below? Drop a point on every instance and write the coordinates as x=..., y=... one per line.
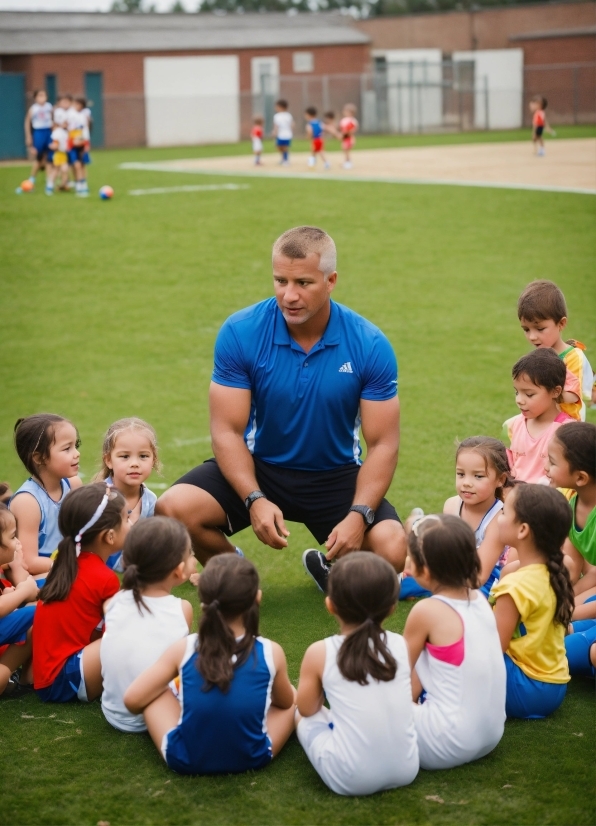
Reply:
x=316, y=176
x=164, y=190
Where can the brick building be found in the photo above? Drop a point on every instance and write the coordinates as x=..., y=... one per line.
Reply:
x=126, y=63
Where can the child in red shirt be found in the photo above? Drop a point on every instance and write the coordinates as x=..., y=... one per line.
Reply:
x=539, y=123
x=66, y=665
x=256, y=134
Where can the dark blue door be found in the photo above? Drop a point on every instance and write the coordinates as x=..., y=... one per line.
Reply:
x=51, y=89
x=94, y=95
x=12, y=106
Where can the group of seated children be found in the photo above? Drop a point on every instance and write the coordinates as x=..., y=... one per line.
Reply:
x=316, y=129
x=58, y=137
x=509, y=569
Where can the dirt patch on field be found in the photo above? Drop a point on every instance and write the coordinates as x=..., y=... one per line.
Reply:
x=569, y=164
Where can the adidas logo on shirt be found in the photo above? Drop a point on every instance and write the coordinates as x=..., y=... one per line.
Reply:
x=346, y=367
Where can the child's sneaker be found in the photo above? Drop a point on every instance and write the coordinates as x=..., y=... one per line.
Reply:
x=347, y=164
x=327, y=165
x=49, y=190
x=317, y=567
x=311, y=161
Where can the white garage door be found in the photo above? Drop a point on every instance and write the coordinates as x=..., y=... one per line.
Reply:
x=191, y=100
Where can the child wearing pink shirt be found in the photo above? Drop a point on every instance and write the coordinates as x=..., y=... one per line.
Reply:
x=538, y=379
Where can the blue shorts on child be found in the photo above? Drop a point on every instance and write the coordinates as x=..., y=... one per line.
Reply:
x=68, y=685
x=578, y=644
x=530, y=699
x=14, y=626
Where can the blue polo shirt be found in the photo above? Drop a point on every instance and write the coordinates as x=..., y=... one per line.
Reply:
x=305, y=408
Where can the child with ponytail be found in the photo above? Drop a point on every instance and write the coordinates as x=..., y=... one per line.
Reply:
x=534, y=603
x=144, y=618
x=235, y=709
x=365, y=741
x=481, y=475
x=66, y=665
x=572, y=465
x=129, y=454
x=454, y=647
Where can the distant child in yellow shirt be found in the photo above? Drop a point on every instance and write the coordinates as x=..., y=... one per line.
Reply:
x=533, y=604
x=542, y=311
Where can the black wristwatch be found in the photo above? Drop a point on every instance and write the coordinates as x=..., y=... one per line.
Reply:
x=252, y=497
x=365, y=512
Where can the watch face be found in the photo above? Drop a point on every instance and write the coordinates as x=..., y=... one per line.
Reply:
x=369, y=516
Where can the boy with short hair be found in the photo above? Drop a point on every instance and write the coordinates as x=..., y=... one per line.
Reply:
x=542, y=311
x=314, y=129
x=538, y=379
x=38, y=128
x=283, y=130
x=256, y=134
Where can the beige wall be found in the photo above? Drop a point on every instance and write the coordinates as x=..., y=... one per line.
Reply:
x=485, y=29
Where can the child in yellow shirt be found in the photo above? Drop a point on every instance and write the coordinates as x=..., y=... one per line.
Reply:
x=533, y=604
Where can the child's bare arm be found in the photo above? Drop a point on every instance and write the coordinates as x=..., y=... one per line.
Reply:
x=310, y=686
x=25, y=591
x=507, y=617
x=282, y=692
x=152, y=683
x=28, y=516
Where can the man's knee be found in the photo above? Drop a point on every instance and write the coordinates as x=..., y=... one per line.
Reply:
x=191, y=505
x=388, y=539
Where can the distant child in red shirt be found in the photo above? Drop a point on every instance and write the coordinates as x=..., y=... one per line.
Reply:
x=315, y=131
x=348, y=126
x=538, y=105
x=256, y=134
x=67, y=627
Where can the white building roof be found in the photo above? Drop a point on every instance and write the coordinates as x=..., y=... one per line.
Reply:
x=64, y=32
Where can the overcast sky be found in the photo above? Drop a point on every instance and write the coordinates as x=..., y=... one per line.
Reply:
x=80, y=5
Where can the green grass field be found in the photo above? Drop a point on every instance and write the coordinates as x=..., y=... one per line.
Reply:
x=111, y=309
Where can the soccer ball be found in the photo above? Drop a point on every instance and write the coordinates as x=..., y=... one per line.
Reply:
x=26, y=186
x=106, y=192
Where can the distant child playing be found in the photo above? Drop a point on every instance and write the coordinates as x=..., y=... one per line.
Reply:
x=533, y=604
x=16, y=619
x=538, y=106
x=48, y=446
x=454, y=648
x=283, y=130
x=538, y=379
x=315, y=131
x=348, y=126
x=236, y=704
x=144, y=618
x=365, y=741
x=129, y=454
x=256, y=134
x=69, y=616
x=38, y=128
x=542, y=311
x=57, y=176
x=78, y=142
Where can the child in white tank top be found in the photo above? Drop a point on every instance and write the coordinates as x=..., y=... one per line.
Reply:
x=454, y=647
x=144, y=618
x=366, y=741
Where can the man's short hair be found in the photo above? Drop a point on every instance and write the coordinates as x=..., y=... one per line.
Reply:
x=299, y=242
x=541, y=301
x=543, y=367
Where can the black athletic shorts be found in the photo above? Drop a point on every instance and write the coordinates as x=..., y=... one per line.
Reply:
x=539, y=131
x=317, y=499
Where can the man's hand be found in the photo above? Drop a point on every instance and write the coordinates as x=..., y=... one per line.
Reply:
x=268, y=523
x=346, y=536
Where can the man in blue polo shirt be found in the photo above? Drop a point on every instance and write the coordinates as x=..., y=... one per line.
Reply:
x=295, y=379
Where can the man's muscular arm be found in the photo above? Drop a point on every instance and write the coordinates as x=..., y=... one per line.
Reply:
x=229, y=409
x=380, y=428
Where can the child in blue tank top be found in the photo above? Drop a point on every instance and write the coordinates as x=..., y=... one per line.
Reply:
x=48, y=446
x=481, y=474
x=235, y=705
x=129, y=454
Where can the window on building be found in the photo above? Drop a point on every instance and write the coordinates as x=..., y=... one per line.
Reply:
x=303, y=61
